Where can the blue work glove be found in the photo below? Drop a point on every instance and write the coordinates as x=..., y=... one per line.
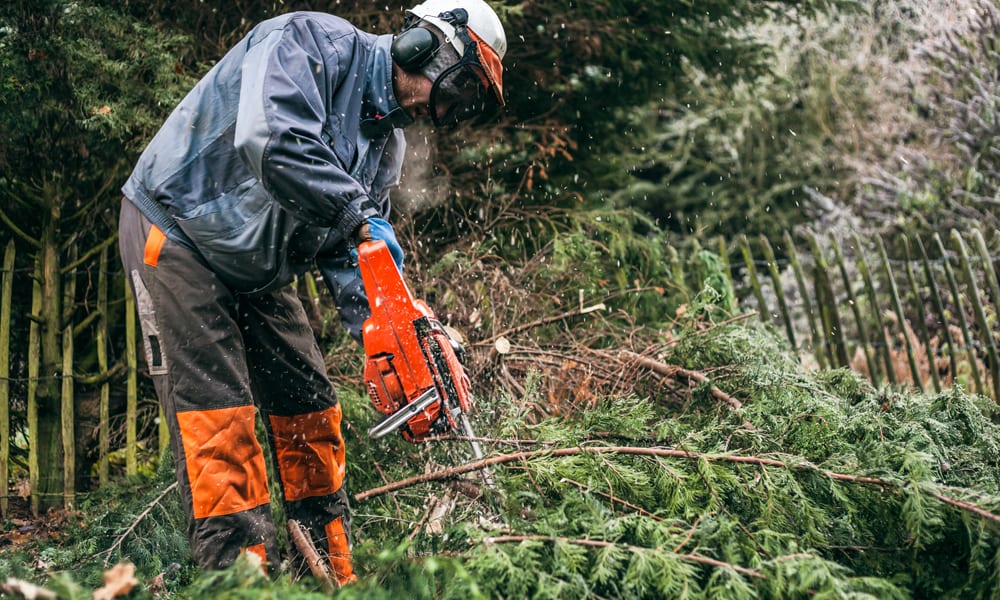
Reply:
x=379, y=229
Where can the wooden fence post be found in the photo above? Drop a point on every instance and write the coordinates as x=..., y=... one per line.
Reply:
x=921, y=316
x=939, y=307
x=104, y=409
x=890, y=371
x=960, y=313
x=873, y=368
x=132, y=382
x=762, y=310
x=6, y=296
x=34, y=364
x=826, y=299
x=772, y=267
x=800, y=280
x=977, y=307
x=991, y=275
x=724, y=258
x=68, y=411
x=314, y=298
x=900, y=315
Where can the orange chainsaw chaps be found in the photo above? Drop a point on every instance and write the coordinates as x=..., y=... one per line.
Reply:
x=407, y=351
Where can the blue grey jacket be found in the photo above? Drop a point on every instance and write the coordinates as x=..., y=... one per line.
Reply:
x=264, y=167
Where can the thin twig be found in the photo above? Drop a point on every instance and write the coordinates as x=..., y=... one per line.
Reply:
x=690, y=534
x=695, y=558
x=638, y=509
x=149, y=509
x=537, y=323
x=671, y=371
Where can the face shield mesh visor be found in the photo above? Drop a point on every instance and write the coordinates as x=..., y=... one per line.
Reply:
x=462, y=93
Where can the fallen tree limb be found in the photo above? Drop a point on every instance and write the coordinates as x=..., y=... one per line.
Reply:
x=695, y=558
x=659, y=452
x=672, y=371
x=316, y=564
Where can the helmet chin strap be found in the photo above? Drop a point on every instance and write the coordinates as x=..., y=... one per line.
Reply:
x=380, y=125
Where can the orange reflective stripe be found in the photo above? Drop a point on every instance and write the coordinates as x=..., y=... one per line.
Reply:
x=310, y=453
x=154, y=243
x=340, y=551
x=224, y=461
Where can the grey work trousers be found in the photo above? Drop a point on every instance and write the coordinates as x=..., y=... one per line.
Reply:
x=215, y=358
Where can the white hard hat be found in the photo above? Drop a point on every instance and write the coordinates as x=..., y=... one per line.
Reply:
x=482, y=21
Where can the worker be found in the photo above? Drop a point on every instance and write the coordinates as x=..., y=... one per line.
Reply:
x=280, y=159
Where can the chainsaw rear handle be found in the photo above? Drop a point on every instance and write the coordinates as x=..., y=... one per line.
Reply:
x=376, y=229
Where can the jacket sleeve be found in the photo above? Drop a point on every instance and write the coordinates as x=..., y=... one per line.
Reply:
x=340, y=274
x=339, y=265
x=288, y=79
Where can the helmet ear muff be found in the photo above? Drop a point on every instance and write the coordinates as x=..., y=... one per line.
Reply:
x=413, y=48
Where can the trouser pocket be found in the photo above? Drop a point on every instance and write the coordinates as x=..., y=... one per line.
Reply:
x=155, y=359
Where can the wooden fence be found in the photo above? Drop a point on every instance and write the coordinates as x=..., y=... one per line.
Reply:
x=98, y=320
x=925, y=318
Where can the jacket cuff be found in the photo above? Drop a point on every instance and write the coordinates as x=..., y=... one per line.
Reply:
x=354, y=214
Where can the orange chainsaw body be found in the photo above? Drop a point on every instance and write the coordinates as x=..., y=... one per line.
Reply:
x=411, y=370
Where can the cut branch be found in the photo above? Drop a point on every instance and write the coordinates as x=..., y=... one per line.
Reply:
x=660, y=452
x=316, y=564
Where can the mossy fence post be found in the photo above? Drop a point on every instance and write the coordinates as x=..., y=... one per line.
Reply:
x=918, y=302
x=876, y=310
x=6, y=294
x=104, y=409
x=859, y=320
x=829, y=312
x=762, y=311
x=800, y=281
x=939, y=308
x=956, y=296
x=779, y=292
x=977, y=306
x=132, y=383
x=34, y=365
x=900, y=313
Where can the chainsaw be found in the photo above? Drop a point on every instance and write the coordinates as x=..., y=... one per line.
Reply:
x=412, y=370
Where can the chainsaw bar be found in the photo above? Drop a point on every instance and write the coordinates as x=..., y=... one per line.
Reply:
x=401, y=416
